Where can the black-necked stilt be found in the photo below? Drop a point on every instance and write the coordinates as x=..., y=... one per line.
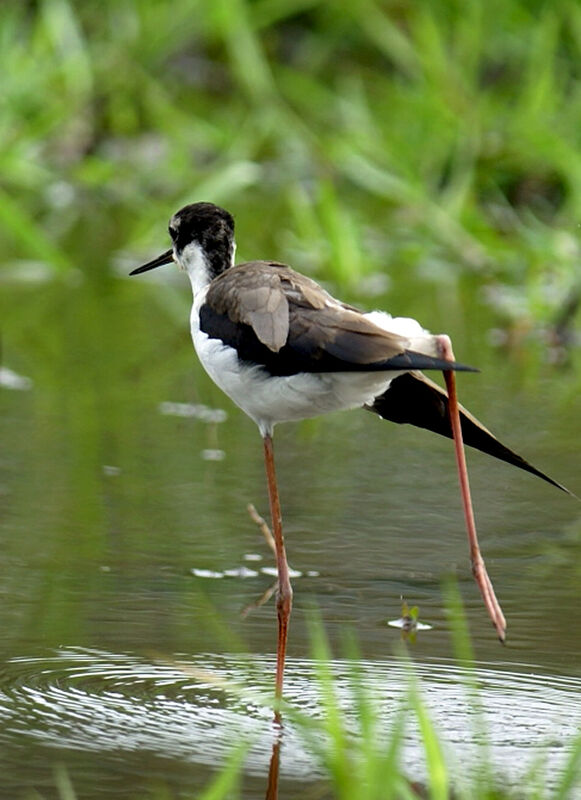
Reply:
x=282, y=348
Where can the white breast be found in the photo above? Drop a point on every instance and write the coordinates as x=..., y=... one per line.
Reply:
x=268, y=400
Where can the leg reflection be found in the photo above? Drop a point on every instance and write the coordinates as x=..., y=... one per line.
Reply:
x=272, y=783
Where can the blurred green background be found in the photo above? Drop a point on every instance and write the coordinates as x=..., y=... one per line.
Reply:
x=433, y=142
x=422, y=157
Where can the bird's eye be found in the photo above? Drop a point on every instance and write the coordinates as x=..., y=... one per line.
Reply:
x=172, y=232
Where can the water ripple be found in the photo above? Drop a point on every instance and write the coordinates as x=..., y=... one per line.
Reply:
x=194, y=710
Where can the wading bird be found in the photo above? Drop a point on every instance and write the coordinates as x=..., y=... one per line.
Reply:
x=282, y=348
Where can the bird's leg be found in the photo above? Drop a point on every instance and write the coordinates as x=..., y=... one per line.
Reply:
x=478, y=565
x=285, y=592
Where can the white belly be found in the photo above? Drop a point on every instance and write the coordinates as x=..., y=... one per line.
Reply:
x=268, y=400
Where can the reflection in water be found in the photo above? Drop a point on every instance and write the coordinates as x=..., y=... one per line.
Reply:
x=273, y=767
x=196, y=711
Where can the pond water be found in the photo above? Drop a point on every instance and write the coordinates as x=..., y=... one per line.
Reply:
x=128, y=555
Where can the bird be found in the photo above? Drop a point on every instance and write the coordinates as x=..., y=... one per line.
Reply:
x=284, y=349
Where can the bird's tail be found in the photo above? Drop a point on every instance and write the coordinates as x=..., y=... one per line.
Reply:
x=412, y=398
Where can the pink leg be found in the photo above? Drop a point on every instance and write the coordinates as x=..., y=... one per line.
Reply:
x=285, y=592
x=478, y=565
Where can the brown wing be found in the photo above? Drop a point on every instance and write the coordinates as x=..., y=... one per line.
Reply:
x=412, y=398
x=286, y=322
x=284, y=307
x=253, y=294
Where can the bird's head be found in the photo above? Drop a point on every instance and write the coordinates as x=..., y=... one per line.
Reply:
x=202, y=236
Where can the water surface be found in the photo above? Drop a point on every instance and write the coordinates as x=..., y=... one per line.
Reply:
x=128, y=555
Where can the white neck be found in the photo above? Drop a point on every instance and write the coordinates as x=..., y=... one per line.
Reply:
x=193, y=260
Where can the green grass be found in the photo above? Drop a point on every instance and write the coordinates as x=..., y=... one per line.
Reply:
x=435, y=145
x=357, y=761
x=358, y=767
x=437, y=141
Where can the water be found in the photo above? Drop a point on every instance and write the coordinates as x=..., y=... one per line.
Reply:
x=128, y=555
x=137, y=716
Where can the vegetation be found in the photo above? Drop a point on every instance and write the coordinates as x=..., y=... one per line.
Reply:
x=361, y=761
x=439, y=140
x=427, y=150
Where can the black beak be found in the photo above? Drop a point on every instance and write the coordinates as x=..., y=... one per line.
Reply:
x=164, y=258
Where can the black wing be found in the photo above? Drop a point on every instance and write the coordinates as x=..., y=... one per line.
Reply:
x=415, y=399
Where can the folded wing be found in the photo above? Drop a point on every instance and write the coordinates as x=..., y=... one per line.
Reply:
x=288, y=324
